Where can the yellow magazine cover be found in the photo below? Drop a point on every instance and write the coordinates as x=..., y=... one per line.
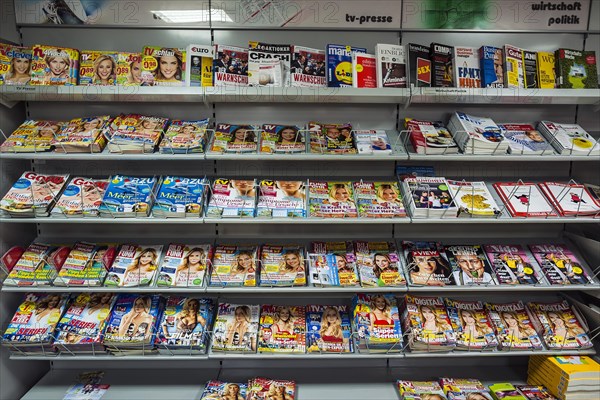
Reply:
x=129, y=69
x=545, y=70
x=569, y=365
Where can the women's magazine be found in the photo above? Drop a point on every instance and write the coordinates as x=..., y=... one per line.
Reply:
x=560, y=265
x=163, y=66
x=328, y=329
x=513, y=326
x=232, y=198
x=183, y=137
x=180, y=197
x=281, y=139
x=376, y=320
x=282, y=329
x=98, y=68
x=469, y=265
x=379, y=200
x=524, y=199
x=128, y=196
x=184, y=324
x=267, y=389
x=473, y=329
x=331, y=200
x=332, y=264
x=560, y=325
x=32, y=136
x=230, y=138
x=234, y=266
x=81, y=197
x=82, y=326
x=32, y=195
x=185, y=265
x=281, y=199
x=427, y=324
x=215, y=390
x=331, y=138
x=129, y=70
x=462, y=389
x=87, y=265
x=282, y=265
x=426, y=264
x=512, y=264
x=82, y=135
x=378, y=264
x=417, y=390
x=135, y=265
x=133, y=321
x=52, y=66
x=38, y=265
x=135, y=133
x=236, y=328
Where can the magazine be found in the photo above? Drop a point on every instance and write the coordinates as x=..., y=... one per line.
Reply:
x=230, y=138
x=331, y=200
x=378, y=264
x=513, y=65
x=419, y=65
x=281, y=199
x=128, y=196
x=232, y=198
x=230, y=66
x=546, y=74
x=511, y=264
x=236, y=327
x=470, y=322
x=135, y=265
x=332, y=264
x=524, y=199
x=86, y=265
x=135, y=133
x=33, y=136
x=282, y=265
x=234, y=266
x=267, y=389
x=129, y=69
x=97, y=68
x=199, y=65
x=442, y=65
x=429, y=137
x=560, y=265
x=132, y=322
x=218, y=390
x=282, y=329
x=473, y=199
x=513, y=326
x=467, y=72
x=82, y=135
x=379, y=200
x=34, y=321
x=391, y=65
x=560, y=325
x=331, y=138
x=376, y=320
x=417, y=390
x=535, y=392
x=339, y=64
x=429, y=197
x=328, y=329
x=184, y=324
x=281, y=139
x=571, y=199
x=163, y=66
x=462, y=389
x=180, y=196
x=364, y=70
x=372, y=142
x=66, y=73
x=37, y=266
x=426, y=264
x=263, y=55
x=492, y=66
x=185, y=265
x=81, y=197
x=525, y=139
x=308, y=67
x=469, y=265
x=427, y=323
x=88, y=387
x=15, y=65
x=82, y=326
x=477, y=135
x=33, y=194
x=569, y=138
x=183, y=137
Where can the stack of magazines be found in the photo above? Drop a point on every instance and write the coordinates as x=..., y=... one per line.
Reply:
x=524, y=139
x=32, y=137
x=81, y=198
x=513, y=326
x=32, y=327
x=236, y=328
x=477, y=135
x=332, y=264
x=32, y=195
x=135, y=133
x=128, y=196
x=86, y=265
x=133, y=323
x=38, y=265
x=82, y=135
x=473, y=199
x=427, y=324
x=571, y=199
x=183, y=137
x=428, y=197
x=180, y=197
x=470, y=322
x=561, y=326
x=569, y=138
x=376, y=320
x=430, y=137
x=417, y=390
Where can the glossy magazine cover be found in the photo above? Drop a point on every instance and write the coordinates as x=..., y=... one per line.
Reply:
x=236, y=328
x=282, y=265
x=133, y=319
x=135, y=265
x=332, y=264
x=559, y=325
x=376, y=320
x=126, y=195
x=331, y=200
x=282, y=329
x=513, y=326
x=234, y=266
x=512, y=265
x=378, y=264
x=281, y=139
x=81, y=197
x=470, y=322
x=183, y=137
x=85, y=319
x=281, y=199
x=560, y=265
x=185, y=322
x=217, y=390
x=180, y=196
x=379, y=200
x=328, y=329
x=232, y=198
x=426, y=321
x=36, y=318
x=185, y=265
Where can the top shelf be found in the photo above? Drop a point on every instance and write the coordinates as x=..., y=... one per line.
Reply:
x=225, y=94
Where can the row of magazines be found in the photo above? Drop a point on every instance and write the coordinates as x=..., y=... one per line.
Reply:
x=320, y=264
x=127, y=324
x=121, y=196
x=135, y=133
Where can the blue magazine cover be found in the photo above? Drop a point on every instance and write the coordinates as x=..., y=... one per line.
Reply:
x=133, y=320
x=339, y=64
x=184, y=324
x=328, y=329
x=180, y=197
x=376, y=320
x=128, y=196
x=492, y=68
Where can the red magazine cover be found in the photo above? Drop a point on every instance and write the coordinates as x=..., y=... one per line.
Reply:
x=364, y=69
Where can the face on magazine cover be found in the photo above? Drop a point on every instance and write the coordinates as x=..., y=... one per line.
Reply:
x=244, y=261
x=498, y=68
x=57, y=66
x=48, y=131
x=333, y=133
x=135, y=72
x=188, y=130
x=387, y=193
x=289, y=188
x=169, y=68
x=292, y=261
x=243, y=134
x=288, y=135
x=244, y=187
x=425, y=264
x=341, y=194
x=382, y=262
x=104, y=69
x=345, y=133
x=90, y=125
x=19, y=69
x=470, y=264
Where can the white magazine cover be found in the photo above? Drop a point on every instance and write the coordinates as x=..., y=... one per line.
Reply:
x=571, y=198
x=232, y=198
x=524, y=199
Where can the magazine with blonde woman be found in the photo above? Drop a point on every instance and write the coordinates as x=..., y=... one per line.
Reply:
x=134, y=265
x=234, y=266
x=328, y=329
x=185, y=265
x=282, y=265
x=282, y=329
x=473, y=329
x=236, y=328
x=97, y=68
x=561, y=326
x=377, y=322
x=513, y=326
x=427, y=324
x=132, y=322
x=217, y=390
x=15, y=65
x=184, y=325
x=54, y=66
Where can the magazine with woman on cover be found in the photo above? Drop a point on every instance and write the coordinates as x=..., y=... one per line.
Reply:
x=427, y=323
x=560, y=265
x=236, y=327
x=426, y=264
x=271, y=389
x=183, y=137
x=419, y=390
x=282, y=265
x=560, y=325
x=32, y=194
x=512, y=265
x=184, y=265
x=234, y=266
x=328, y=329
x=135, y=265
x=184, y=324
x=281, y=139
x=281, y=199
x=331, y=200
x=34, y=267
x=282, y=329
x=232, y=198
x=332, y=264
x=376, y=320
x=81, y=197
x=82, y=135
x=378, y=264
x=86, y=265
x=230, y=138
x=133, y=320
x=135, y=133
x=379, y=200
x=217, y=390
x=513, y=326
x=331, y=138
x=470, y=322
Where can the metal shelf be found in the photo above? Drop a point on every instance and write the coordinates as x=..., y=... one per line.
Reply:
x=500, y=157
